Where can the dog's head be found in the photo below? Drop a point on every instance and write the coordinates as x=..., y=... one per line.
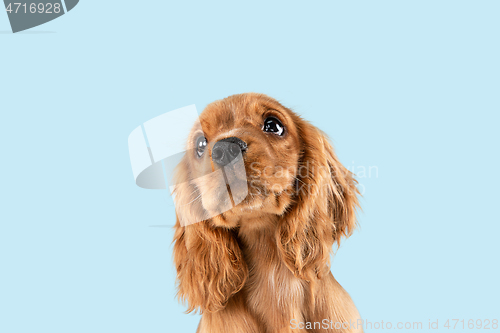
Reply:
x=251, y=144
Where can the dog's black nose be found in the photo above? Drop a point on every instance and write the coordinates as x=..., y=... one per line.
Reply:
x=226, y=150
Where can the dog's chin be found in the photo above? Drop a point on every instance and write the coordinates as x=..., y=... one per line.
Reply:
x=260, y=203
x=216, y=202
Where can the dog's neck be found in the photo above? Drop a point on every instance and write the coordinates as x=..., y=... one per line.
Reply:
x=256, y=229
x=270, y=284
x=257, y=237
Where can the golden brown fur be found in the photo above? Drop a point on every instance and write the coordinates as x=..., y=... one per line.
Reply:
x=265, y=262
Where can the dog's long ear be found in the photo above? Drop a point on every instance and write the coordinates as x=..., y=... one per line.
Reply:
x=208, y=259
x=324, y=209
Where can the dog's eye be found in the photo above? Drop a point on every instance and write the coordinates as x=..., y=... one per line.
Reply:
x=201, y=144
x=273, y=125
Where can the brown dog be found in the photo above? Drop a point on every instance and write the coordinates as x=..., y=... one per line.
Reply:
x=262, y=265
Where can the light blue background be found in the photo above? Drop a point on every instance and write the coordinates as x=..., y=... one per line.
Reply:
x=409, y=87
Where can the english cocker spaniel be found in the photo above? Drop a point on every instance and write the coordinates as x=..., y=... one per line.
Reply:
x=261, y=198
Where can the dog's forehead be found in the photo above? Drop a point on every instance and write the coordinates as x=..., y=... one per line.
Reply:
x=233, y=111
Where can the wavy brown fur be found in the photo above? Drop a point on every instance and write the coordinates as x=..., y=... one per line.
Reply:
x=266, y=261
